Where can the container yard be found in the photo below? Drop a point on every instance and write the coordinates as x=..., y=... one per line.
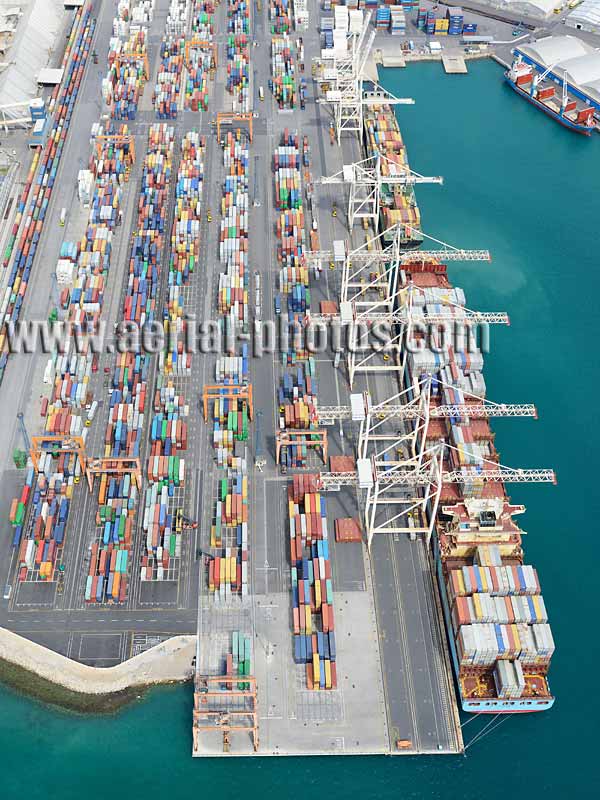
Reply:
x=333, y=524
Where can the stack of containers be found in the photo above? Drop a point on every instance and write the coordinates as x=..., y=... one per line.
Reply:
x=327, y=29
x=233, y=245
x=40, y=180
x=455, y=19
x=162, y=537
x=430, y=23
x=107, y=574
x=382, y=18
x=185, y=236
x=301, y=16
x=282, y=62
x=68, y=373
x=279, y=14
x=355, y=20
x=238, y=60
x=233, y=369
x=441, y=26
x=469, y=28
x=40, y=535
x=127, y=405
x=239, y=661
x=127, y=74
x=168, y=80
x=201, y=62
x=312, y=587
x=297, y=400
x=228, y=569
x=397, y=21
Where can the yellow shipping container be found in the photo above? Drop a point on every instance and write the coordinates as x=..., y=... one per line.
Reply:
x=316, y=670
x=327, y=673
x=308, y=619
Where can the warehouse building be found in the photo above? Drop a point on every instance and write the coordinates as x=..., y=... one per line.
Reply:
x=567, y=55
x=512, y=9
x=586, y=17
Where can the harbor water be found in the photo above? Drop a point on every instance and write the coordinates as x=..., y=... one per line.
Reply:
x=518, y=184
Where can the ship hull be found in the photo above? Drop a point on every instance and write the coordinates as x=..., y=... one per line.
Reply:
x=584, y=130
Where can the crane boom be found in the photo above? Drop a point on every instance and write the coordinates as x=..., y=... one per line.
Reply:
x=409, y=412
x=328, y=480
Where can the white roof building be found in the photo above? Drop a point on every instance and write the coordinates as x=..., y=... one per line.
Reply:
x=30, y=49
x=539, y=9
x=586, y=17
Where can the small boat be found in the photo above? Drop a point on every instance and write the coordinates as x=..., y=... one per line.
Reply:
x=525, y=81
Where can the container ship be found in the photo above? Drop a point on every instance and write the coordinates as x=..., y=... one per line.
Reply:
x=382, y=138
x=499, y=637
x=525, y=81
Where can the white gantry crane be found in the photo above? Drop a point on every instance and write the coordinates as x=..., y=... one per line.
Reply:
x=373, y=266
x=370, y=296
x=401, y=468
x=404, y=497
x=365, y=179
x=344, y=74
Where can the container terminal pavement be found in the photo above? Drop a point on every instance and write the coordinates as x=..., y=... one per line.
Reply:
x=154, y=505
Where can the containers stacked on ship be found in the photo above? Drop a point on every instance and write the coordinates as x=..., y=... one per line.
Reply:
x=497, y=623
x=398, y=203
x=34, y=199
x=238, y=60
x=312, y=586
x=200, y=64
x=455, y=18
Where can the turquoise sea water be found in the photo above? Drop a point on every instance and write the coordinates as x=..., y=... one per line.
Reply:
x=519, y=185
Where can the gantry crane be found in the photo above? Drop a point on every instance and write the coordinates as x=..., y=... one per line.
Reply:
x=228, y=391
x=133, y=58
x=119, y=140
x=114, y=466
x=345, y=77
x=202, y=44
x=365, y=179
x=229, y=117
x=414, y=486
